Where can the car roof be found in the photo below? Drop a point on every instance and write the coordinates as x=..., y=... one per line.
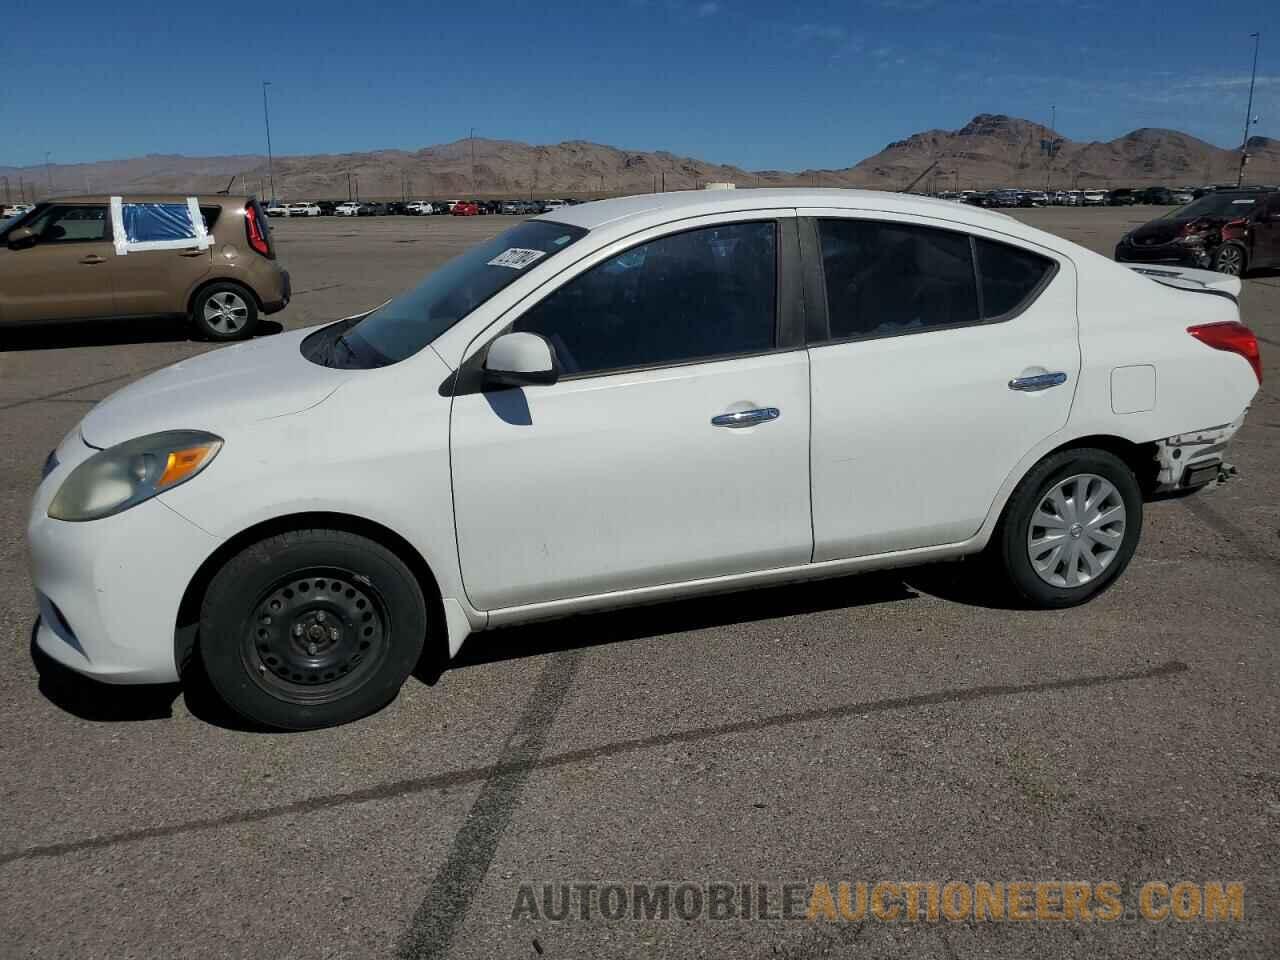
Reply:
x=660, y=207
x=105, y=198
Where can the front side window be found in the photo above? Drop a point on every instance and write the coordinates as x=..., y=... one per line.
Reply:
x=887, y=278
x=67, y=224
x=704, y=293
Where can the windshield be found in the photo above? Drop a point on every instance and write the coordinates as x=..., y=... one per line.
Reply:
x=408, y=323
x=1216, y=205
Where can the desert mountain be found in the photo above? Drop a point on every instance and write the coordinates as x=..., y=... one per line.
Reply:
x=991, y=150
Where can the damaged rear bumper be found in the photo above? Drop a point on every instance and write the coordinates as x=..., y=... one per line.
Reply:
x=1194, y=459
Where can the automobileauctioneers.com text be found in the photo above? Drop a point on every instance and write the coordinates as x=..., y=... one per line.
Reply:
x=886, y=901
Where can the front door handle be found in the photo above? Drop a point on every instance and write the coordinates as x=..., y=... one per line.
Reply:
x=93, y=258
x=191, y=253
x=1041, y=381
x=746, y=418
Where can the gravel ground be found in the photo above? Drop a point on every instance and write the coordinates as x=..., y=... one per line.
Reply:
x=887, y=727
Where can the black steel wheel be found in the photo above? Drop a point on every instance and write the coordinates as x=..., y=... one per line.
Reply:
x=316, y=635
x=311, y=628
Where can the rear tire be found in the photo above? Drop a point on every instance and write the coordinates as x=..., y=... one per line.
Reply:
x=224, y=311
x=1069, y=529
x=311, y=628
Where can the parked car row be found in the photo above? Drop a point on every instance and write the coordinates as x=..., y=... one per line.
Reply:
x=1119, y=197
x=415, y=208
x=11, y=210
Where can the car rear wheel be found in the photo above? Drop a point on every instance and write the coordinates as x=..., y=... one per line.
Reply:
x=1230, y=259
x=224, y=311
x=1070, y=528
x=311, y=628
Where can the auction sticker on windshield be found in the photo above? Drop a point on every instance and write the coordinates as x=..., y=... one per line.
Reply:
x=517, y=258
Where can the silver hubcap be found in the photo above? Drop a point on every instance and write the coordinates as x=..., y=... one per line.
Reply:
x=226, y=312
x=1229, y=261
x=1076, y=530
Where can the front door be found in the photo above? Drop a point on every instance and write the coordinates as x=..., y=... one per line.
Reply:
x=1266, y=234
x=632, y=471
x=66, y=274
x=949, y=356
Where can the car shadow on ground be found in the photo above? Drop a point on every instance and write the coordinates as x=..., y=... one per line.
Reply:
x=673, y=617
x=961, y=582
x=105, y=333
x=100, y=702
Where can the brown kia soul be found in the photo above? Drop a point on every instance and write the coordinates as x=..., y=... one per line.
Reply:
x=85, y=258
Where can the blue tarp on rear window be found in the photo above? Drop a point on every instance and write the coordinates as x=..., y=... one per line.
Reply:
x=144, y=222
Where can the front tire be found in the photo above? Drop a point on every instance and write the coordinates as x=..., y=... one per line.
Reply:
x=1070, y=528
x=1231, y=259
x=311, y=628
x=224, y=311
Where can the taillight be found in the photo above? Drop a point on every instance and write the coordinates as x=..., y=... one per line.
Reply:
x=1234, y=338
x=253, y=230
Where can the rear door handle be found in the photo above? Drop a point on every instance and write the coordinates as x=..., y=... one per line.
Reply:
x=93, y=258
x=746, y=418
x=1041, y=381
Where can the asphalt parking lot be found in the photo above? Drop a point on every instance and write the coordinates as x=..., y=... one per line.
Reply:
x=886, y=727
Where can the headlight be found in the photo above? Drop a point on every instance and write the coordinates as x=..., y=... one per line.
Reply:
x=125, y=475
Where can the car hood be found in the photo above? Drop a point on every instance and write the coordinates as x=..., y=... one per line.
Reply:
x=1167, y=229
x=223, y=388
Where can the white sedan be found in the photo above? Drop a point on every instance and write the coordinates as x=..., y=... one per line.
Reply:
x=631, y=401
x=349, y=209
x=303, y=209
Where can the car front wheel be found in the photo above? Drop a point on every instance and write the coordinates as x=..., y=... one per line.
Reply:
x=1070, y=528
x=311, y=628
x=1230, y=259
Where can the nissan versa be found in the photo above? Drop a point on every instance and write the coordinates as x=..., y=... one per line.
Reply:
x=624, y=402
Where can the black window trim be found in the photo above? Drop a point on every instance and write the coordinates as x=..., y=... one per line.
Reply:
x=789, y=311
x=819, y=327
x=107, y=233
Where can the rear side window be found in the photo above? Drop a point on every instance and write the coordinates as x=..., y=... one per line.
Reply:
x=678, y=299
x=885, y=279
x=149, y=222
x=1011, y=277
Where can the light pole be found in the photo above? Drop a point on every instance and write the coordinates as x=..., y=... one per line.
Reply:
x=1248, y=114
x=266, y=117
x=472, y=138
x=48, y=170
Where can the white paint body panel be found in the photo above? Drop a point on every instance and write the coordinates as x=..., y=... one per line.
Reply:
x=913, y=434
x=617, y=490
x=616, y=482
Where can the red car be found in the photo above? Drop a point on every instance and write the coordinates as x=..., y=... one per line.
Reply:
x=465, y=208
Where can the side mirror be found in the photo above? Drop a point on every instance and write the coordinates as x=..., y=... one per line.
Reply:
x=517, y=359
x=21, y=237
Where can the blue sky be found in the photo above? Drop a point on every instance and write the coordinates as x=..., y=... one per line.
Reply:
x=786, y=85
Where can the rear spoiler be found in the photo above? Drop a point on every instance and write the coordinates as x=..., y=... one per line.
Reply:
x=1189, y=278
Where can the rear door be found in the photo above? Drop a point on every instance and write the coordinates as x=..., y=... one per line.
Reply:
x=67, y=274
x=941, y=358
x=1266, y=234
x=155, y=282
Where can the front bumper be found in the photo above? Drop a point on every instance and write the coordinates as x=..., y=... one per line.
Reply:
x=1176, y=253
x=108, y=590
